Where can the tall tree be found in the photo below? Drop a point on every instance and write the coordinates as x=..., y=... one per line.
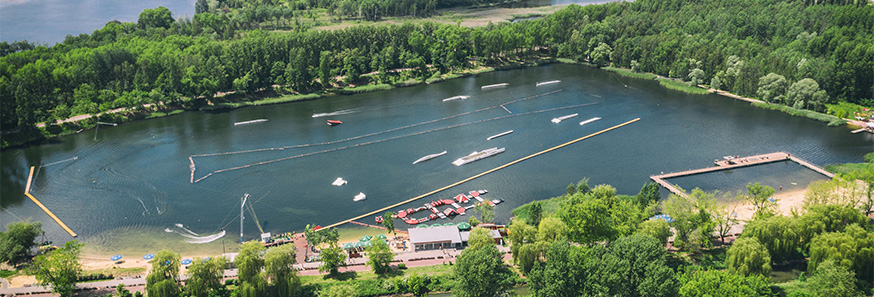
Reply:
x=851, y=249
x=60, y=268
x=163, y=280
x=486, y=211
x=249, y=261
x=772, y=87
x=806, y=93
x=333, y=257
x=748, y=257
x=159, y=17
x=18, y=240
x=379, y=256
x=480, y=270
x=279, y=267
x=700, y=283
x=758, y=196
x=656, y=228
x=833, y=280
x=389, y=222
x=692, y=217
x=205, y=277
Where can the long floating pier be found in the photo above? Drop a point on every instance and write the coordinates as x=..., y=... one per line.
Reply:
x=735, y=163
x=478, y=175
x=48, y=212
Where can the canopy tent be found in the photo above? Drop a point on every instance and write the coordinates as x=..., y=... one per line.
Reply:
x=365, y=238
x=381, y=236
x=463, y=226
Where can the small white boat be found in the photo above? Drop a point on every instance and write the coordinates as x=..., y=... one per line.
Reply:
x=547, y=83
x=494, y=86
x=359, y=197
x=590, y=121
x=250, y=122
x=562, y=118
x=499, y=135
x=460, y=97
x=429, y=157
x=339, y=182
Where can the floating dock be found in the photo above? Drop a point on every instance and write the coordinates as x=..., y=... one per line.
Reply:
x=481, y=174
x=547, y=83
x=499, y=135
x=48, y=212
x=494, y=86
x=731, y=163
x=475, y=156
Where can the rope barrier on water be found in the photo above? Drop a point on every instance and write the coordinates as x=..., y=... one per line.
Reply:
x=192, y=165
x=478, y=175
x=387, y=139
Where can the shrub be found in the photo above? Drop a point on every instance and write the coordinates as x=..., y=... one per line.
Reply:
x=402, y=266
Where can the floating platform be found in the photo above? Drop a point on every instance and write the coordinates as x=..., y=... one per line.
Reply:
x=547, y=83
x=429, y=157
x=499, y=135
x=494, y=86
x=250, y=122
x=590, y=121
x=460, y=97
x=475, y=156
x=562, y=118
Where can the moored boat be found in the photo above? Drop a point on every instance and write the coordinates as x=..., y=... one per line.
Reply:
x=250, y=122
x=361, y=196
x=494, y=86
x=334, y=122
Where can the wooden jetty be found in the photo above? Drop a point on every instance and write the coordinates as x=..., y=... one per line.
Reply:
x=737, y=162
x=43, y=207
x=375, y=226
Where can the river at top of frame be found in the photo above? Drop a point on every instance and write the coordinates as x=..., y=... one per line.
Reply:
x=135, y=178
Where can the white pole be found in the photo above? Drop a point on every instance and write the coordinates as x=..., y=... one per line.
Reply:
x=245, y=196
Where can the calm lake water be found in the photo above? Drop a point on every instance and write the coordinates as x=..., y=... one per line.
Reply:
x=49, y=21
x=133, y=182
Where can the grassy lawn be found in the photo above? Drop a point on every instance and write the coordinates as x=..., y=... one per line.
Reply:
x=7, y=273
x=116, y=272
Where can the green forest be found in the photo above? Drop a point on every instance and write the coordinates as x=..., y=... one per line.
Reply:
x=803, y=54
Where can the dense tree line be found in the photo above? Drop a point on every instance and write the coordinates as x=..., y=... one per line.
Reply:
x=812, y=53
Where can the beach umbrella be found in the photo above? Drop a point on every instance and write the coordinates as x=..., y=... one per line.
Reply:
x=186, y=261
x=449, y=224
x=116, y=257
x=347, y=245
x=422, y=226
x=435, y=225
x=463, y=226
x=149, y=257
x=381, y=236
x=665, y=217
x=204, y=260
x=366, y=238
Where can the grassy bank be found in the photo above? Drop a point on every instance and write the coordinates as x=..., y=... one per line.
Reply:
x=853, y=169
x=438, y=278
x=682, y=87
x=629, y=73
x=830, y=119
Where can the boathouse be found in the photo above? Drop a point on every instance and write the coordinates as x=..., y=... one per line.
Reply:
x=433, y=238
x=446, y=237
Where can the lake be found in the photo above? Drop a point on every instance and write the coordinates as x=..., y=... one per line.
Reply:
x=49, y=21
x=131, y=186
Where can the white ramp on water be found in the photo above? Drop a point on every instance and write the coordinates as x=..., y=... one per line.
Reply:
x=547, y=83
x=334, y=113
x=339, y=182
x=494, y=86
